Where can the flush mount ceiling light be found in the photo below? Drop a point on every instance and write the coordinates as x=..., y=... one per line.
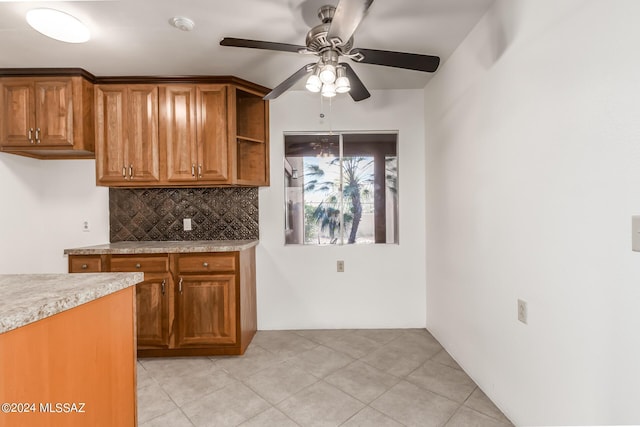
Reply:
x=182, y=23
x=58, y=25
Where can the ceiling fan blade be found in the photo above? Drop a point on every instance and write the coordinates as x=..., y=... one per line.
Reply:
x=358, y=92
x=257, y=44
x=286, y=85
x=348, y=16
x=409, y=61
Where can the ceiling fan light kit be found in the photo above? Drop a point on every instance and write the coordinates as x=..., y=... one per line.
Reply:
x=330, y=40
x=58, y=25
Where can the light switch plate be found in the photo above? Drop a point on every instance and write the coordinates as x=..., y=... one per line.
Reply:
x=635, y=233
x=186, y=224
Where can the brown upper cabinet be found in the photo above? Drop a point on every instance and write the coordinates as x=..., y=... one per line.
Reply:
x=127, y=135
x=47, y=116
x=192, y=131
x=206, y=134
x=194, y=134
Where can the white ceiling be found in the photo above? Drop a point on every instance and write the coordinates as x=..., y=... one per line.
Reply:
x=133, y=37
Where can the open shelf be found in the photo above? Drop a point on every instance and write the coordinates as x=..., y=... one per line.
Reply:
x=251, y=138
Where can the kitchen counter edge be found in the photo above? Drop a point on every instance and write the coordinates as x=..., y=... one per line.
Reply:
x=27, y=298
x=163, y=247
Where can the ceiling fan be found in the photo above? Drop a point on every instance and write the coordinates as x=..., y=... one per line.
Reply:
x=331, y=40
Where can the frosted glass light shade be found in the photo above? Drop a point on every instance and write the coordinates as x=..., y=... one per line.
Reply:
x=58, y=25
x=329, y=90
x=313, y=83
x=343, y=85
x=328, y=74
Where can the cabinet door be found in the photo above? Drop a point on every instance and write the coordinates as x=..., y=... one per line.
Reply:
x=213, y=141
x=152, y=310
x=18, y=112
x=127, y=134
x=54, y=112
x=178, y=132
x=111, y=139
x=206, y=310
x=142, y=134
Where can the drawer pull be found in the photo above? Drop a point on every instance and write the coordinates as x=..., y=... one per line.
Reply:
x=205, y=264
x=84, y=266
x=138, y=265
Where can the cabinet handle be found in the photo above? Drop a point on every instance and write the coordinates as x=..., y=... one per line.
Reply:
x=30, y=135
x=124, y=172
x=199, y=171
x=138, y=265
x=84, y=266
x=180, y=285
x=162, y=285
x=193, y=170
x=37, y=135
x=130, y=171
x=205, y=264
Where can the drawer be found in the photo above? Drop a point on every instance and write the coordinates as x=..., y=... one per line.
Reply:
x=149, y=264
x=203, y=263
x=85, y=264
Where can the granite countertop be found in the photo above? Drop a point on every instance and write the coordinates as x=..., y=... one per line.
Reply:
x=163, y=247
x=26, y=298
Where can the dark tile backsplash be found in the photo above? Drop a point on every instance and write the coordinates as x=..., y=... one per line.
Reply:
x=157, y=213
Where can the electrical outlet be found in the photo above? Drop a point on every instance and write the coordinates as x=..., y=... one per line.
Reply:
x=522, y=311
x=186, y=224
x=86, y=226
x=340, y=266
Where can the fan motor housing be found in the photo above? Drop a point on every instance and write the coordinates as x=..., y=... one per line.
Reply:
x=317, y=36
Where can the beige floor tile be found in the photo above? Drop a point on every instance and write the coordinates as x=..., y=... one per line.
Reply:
x=283, y=343
x=445, y=358
x=270, y=418
x=229, y=406
x=403, y=355
x=481, y=403
x=153, y=401
x=468, y=417
x=448, y=382
x=174, y=418
x=143, y=378
x=321, y=361
x=369, y=417
x=403, y=374
x=173, y=367
x=192, y=385
x=362, y=381
x=280, y=381
x=347, y=341
x=414, y=406
x=381, y=336
x=254, y=360
x=320, y=405
x=320, y=336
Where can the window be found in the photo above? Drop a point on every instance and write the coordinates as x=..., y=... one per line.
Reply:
x=341, y=188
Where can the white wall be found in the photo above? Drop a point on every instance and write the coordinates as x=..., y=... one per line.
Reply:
x=533, y=173
x=43, y=204
x=383, y=285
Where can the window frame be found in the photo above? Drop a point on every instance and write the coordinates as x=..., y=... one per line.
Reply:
x=343, y=238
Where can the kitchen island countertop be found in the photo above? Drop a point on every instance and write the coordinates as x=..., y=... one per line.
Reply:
x=155, y=247
x=27, y=298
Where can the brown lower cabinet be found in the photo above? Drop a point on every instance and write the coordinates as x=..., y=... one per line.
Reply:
x=190, y=304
